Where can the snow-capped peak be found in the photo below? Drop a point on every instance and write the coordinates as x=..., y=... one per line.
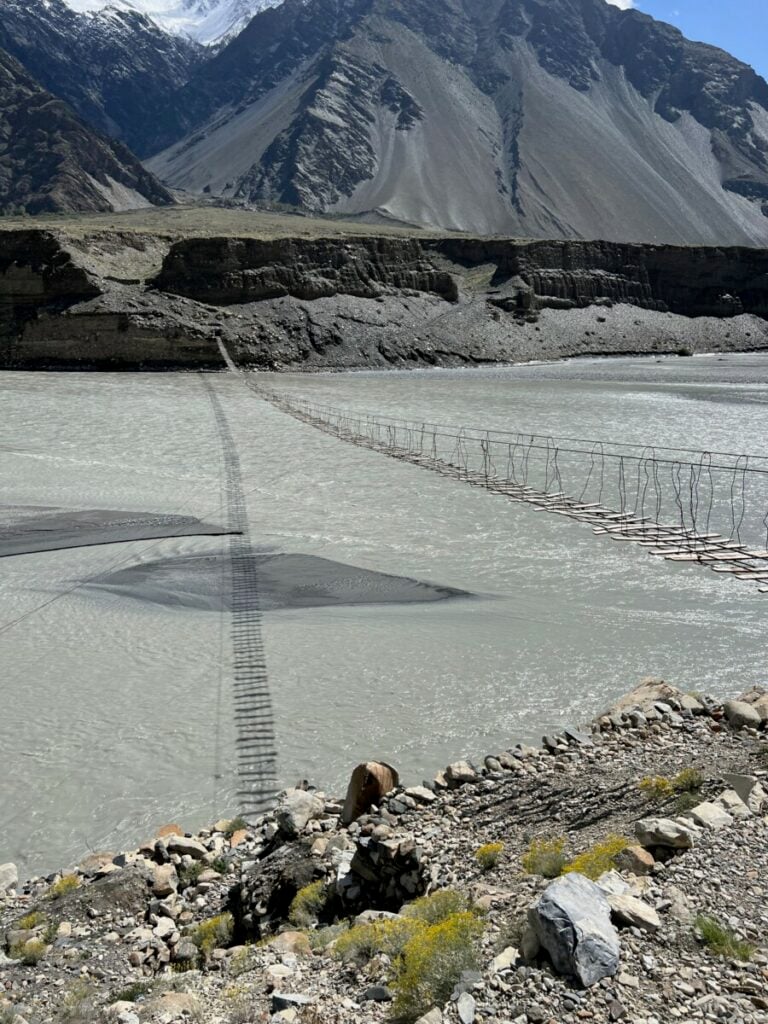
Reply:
x=205, y=21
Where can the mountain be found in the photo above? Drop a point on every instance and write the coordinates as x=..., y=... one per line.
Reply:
x=206, y=21
x=116, y=67
x=50, y=161
x=560, y=118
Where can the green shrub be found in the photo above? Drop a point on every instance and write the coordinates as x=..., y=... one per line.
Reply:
x=487, y=856
x=34, y=919
x=235, y=825
x=308, y=903
x=689, y=780
x=545, y=857
x=721, y=940
x=30, y=952
x=657, y=788
x=214, y=933
x=599, y=858
x=65, y=885
x=437, y=906
x=431, y=963
x=389, y=935
x=685, y=802
x=189, y=874
x=321, y=938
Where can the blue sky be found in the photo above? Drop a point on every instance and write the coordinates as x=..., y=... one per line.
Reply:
x=739, y=26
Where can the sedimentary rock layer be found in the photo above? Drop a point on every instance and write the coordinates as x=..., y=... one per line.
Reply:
x=369, y=301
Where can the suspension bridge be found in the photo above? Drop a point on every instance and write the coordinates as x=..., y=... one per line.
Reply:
x=705, y=508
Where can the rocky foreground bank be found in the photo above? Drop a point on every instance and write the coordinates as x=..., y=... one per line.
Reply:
x=619, y=873
x=112, y=300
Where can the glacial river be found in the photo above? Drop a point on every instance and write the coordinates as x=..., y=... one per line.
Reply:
x=116, y=691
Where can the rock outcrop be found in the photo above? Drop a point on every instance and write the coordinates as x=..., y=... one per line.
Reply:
x=357, y=301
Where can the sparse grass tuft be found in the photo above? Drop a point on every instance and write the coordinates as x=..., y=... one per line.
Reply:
x=235, y=825
x=65, y=885
x=132, y=992
x=721, y=940
x=487, y=856
x=545, y=857
x=689, y=780
x=599, y=858
x=657, y=788
x=34, y=919
x=214, y=933
x=431, y=963
x=308, y=903
x=189, y=874
x=30, y=952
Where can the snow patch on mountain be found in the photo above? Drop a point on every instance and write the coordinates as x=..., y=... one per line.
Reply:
x=205, y=21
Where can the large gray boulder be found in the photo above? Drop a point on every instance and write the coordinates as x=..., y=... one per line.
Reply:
x=9, y=877
x=665, y=832
x=572, y=920
x=296, y=809
x=741, y=715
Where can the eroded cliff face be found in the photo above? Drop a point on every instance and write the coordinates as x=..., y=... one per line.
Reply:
x=370, y=302
x=225, y=271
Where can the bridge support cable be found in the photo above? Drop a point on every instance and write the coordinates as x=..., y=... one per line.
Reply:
x=705, y=508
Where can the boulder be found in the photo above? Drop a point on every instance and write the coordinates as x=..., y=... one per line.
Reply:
x=296, y=809
x=757, y=697
x=370, y=782
x=9, y=877
x=460, y=772
x=465, y=1007
x=741, y=715
x=748, y=789
x=731, y=802
x=435, y=1016
x=291, y=942
x=631, y=911
x=184, y=846
x=664, y=832
x=572, y=920
x=647, y=693
x=165, y=880
x=710, y=815
x=636, y=860
x=421, y=794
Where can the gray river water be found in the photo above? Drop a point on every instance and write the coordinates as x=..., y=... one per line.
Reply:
x=431, y=620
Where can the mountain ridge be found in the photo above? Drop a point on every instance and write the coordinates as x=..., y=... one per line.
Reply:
x=667, y=139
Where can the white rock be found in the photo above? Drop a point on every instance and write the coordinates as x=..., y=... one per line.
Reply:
x=741, y=715
x=460, y=772
x=731, y=802
x=633, y=912
x=465, y=1005
x=665, y=832
x=749, y=789
x=9, y=877
x=422, y=794
x=435, y=1016
x=506, y=959
x=184, y=846
x=297, y=808
x=709, y=815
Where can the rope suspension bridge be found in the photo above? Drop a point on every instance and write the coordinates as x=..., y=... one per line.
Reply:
x=706, y=508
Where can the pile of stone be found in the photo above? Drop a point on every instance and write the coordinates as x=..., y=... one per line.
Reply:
x=624, y=946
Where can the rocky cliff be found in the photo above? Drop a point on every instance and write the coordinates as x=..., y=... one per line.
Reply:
x=360, y=301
